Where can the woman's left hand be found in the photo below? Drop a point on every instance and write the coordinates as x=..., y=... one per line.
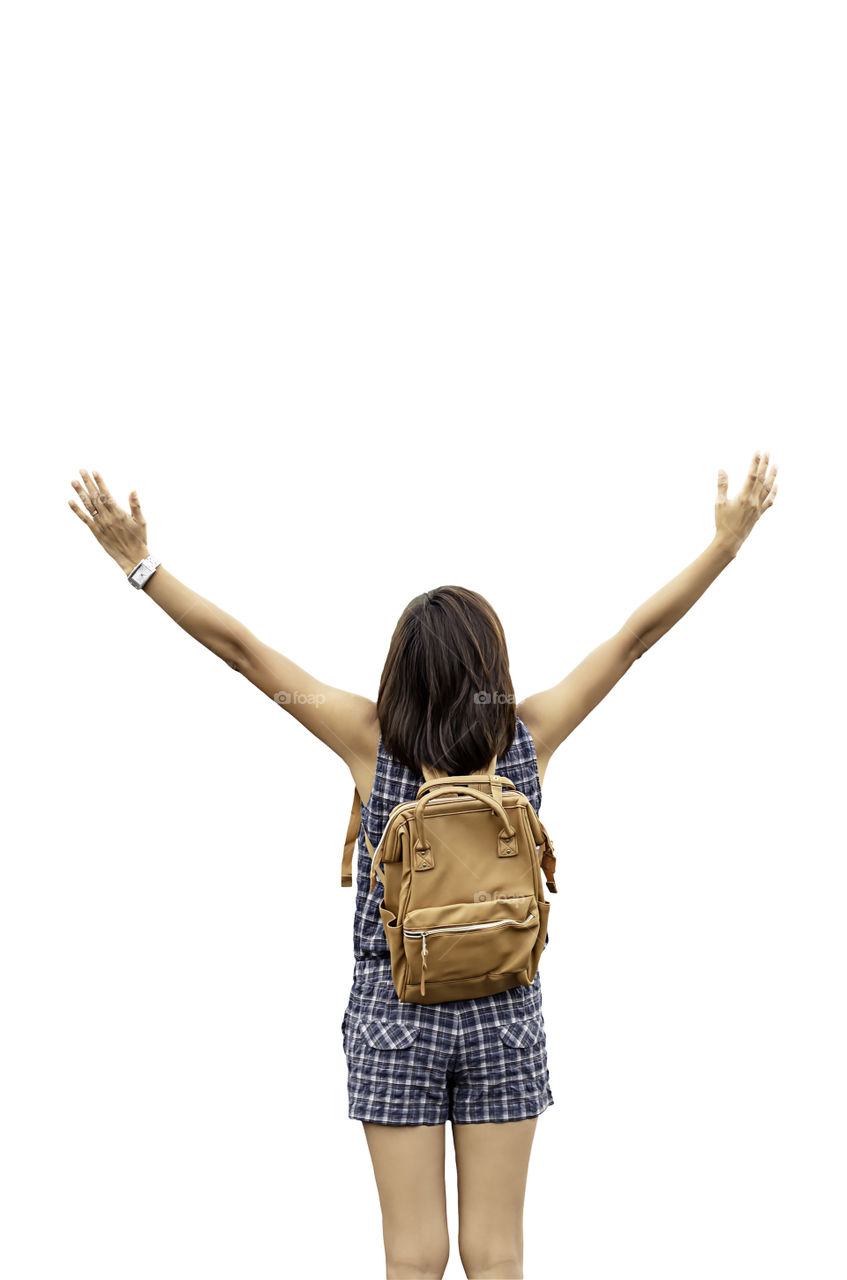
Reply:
x=122, y=534
x=735, y=517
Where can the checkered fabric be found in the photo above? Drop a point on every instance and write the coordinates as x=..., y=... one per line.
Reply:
x=471, y=1061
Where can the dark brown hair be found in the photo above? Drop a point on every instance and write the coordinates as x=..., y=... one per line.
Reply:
x=445, y=695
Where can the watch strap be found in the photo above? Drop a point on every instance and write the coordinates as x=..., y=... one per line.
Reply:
x=143, y=571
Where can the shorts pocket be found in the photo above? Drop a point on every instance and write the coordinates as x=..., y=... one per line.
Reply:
x=387, y=1035
x=521, y=1035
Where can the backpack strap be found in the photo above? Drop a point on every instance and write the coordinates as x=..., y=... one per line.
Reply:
x=353, y=827
x=548, y=857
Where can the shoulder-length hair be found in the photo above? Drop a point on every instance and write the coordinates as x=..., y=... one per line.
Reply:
x=445, y=695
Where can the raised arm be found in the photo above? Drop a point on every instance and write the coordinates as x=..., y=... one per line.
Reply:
x=346, y=722
x=554, y=713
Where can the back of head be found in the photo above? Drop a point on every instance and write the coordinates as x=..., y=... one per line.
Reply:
x=445, y=695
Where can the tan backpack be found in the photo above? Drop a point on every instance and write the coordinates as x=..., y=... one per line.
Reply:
x=463, y=903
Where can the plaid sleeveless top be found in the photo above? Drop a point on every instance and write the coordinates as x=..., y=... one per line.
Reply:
x=394, y=783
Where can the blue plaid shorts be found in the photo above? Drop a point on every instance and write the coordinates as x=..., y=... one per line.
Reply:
x=471, y=1061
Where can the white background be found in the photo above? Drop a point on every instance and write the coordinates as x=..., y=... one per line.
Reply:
x=364, y=299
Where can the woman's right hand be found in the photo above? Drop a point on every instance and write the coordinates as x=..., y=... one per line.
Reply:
x=122, y=534
x=734, y=518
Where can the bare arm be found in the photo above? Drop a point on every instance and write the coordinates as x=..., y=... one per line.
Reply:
x=346, y=722
x=554, y=713
x=664, y=609
x=124, y=537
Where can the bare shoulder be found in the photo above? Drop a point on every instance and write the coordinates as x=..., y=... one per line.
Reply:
x=363, y=764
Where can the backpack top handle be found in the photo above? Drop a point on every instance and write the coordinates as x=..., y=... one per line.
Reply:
x=506, y=835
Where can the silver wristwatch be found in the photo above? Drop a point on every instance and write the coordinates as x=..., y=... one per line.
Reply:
x=143, y=571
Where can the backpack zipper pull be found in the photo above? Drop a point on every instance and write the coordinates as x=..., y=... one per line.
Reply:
x=423, y=963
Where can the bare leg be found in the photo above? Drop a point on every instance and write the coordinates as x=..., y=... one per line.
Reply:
x=491, y=1166
x=408, y=1162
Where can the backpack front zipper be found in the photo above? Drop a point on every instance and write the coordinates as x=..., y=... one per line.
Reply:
x=457, y=928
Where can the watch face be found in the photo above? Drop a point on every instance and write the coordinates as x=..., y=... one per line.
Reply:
x=142, y=572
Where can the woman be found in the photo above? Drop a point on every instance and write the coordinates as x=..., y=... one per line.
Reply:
x=445, y=706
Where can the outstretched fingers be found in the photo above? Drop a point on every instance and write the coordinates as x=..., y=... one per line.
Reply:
x=759, y=485
x=769, y=489
x=103, y=491
x=135, y=509
x=84, y=495
x=765, y=487
x=75, y=509
x=755, y=472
